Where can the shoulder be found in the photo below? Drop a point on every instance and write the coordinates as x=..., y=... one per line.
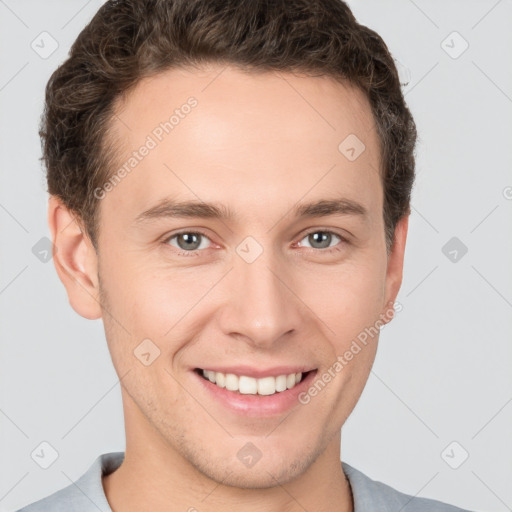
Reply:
x=84, y=495
x=374, y=495
x=67, y=499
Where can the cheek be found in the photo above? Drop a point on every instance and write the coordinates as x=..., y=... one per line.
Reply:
x=347, y=300
x=154, y=301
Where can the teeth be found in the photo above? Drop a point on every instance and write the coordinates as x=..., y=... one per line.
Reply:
x=220, y=379
x=251, y=386
x=267, y=386
x=281, y=383
x=247, y=385
x=231, y=382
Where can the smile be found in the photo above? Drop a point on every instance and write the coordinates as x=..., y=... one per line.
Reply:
x=246, y=385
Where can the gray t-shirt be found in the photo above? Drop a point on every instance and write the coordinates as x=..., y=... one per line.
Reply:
x=87, y=494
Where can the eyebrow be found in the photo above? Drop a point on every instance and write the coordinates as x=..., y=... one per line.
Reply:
x=167, y=208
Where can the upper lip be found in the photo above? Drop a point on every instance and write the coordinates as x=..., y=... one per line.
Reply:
x=259, y=373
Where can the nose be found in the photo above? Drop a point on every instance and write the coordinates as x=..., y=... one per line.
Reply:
x=260, y=306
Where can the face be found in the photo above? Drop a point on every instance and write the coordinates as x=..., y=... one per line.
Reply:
x=224, y=317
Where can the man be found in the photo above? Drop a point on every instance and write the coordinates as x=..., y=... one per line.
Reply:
x=229, y=191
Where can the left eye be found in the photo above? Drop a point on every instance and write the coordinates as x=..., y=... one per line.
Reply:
x=188, y=241
x=320, y=239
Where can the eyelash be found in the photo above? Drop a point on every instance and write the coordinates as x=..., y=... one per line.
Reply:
x=196, y=252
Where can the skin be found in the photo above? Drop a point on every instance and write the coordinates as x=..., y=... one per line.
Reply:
x=260, y=144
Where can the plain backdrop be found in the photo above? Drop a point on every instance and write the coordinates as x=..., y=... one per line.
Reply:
x=441, y=387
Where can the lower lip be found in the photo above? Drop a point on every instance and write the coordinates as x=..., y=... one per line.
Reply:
x=257, y=405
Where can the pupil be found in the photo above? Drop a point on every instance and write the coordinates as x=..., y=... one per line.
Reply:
x=191, y=241
x=321, y=237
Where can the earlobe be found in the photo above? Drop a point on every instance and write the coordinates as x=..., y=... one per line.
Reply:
x=75, y=260
x=395, y=265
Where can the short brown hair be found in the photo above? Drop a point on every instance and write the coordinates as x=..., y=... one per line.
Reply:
x=128, y=40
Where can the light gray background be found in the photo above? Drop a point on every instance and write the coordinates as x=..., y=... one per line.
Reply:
x=442, y=371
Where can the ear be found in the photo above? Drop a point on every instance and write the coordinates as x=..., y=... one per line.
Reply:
x=395, y=267
x=75, y=260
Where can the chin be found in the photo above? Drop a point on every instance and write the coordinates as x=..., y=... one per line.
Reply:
x=261, y=476
x=267, y=469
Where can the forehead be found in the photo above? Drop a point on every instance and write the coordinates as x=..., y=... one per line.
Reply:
x=229, y=95
x=222, y=134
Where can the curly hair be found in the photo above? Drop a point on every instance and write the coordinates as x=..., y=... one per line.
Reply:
x=128, y=40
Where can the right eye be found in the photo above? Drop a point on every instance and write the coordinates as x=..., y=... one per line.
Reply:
x=188, y=242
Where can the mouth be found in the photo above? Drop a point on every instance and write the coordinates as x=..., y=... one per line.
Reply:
x=261, y=394
x=247, y=385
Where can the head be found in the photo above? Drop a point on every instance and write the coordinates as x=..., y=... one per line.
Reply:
x=230, y=187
